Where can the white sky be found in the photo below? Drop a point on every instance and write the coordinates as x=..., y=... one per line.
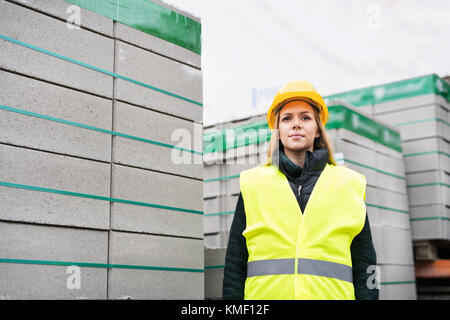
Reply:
x=250, y=48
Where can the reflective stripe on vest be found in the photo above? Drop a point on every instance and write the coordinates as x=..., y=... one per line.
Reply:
x=301, y=255
x=305, y=266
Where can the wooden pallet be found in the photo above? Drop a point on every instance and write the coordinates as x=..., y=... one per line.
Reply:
x=431, y=250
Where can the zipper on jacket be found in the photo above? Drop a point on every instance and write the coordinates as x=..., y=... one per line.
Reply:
x=299, y=188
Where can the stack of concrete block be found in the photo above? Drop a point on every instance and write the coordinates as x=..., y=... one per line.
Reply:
x=420, y=109
x=372, y=148
x=366, y=145
x=214, y=266
x=229, y=148
x=90, y=169
x=424, y=124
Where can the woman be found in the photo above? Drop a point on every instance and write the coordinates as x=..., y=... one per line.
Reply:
x=295, y=236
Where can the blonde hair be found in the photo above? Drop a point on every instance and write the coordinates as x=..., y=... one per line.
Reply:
x=320, y=142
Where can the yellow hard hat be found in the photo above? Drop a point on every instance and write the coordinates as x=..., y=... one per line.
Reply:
x=299, y=89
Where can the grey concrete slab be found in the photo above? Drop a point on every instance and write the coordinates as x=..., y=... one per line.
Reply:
x=37, y=168
x=398, y=282
x=157, y=45
x=151, y=250
x=127, y=217
x=162, y=73
x=157, y=188
x=63, y=10
x=20, y=23
x=408, y=103
x=44, y=282
x=429, y=187
x=154, y=126
x=49, y=100
x=42, y=169
x=35, y=242
x=155, y=285
x=430, y=222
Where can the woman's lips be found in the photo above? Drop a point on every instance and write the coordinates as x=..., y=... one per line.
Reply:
x=296, y=136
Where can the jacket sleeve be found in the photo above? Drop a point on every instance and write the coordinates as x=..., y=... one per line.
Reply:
x=363, y=255
x=235, y=271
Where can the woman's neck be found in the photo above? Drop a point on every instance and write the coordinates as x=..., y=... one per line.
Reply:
x=297, y=157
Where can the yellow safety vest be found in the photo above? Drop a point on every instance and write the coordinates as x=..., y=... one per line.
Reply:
x=301, y=256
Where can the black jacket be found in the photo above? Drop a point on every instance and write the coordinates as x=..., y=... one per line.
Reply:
x=362, y=249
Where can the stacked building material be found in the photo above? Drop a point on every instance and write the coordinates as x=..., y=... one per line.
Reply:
x=100, y=198
x=214, y=266
x=420, y=109
x=366, y=145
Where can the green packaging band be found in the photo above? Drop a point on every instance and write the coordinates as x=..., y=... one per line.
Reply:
x=150, y=18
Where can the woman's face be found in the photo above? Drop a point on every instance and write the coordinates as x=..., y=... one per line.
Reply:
x=297, y=126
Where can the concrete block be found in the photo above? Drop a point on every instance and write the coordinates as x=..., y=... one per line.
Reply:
x=58, y=8
x=391, y=174
x=214, y=268
x=359, y=159
x=43, y=282
x=157, y=188
x=213, y=171
x=429, y=187
x=162, y=73
x=157, y=45
x=20, y=23
x=232, y=186
x=41, y=169
x=150, y=250
x=217, y=240
x=48, y=243
x=233, y=154
x=408, y=103
x=35, y=242
x=154, y=126
x=392, y=200
x=430, y=222
x=372, y=205
x=366, y=110
x=398, y=282
x=128, y=217
x=416, y=124
x=213, y=189
x=58, y=102
x=397, y=247
x=379, y=148
x=355, y=138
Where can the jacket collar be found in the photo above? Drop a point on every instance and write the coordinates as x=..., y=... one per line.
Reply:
x=314, y=161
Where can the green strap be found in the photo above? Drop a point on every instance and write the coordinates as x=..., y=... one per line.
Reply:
x=425, y=153
x=429, y=218
x=223, y=178
x=387, y=208
x=397, y=282
x=218, y=213
x=76, y=124
x=428, y=184
x=85, y=195
x=420, y=121
x=214, y=267
x=97, y=265
x=115, y=75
